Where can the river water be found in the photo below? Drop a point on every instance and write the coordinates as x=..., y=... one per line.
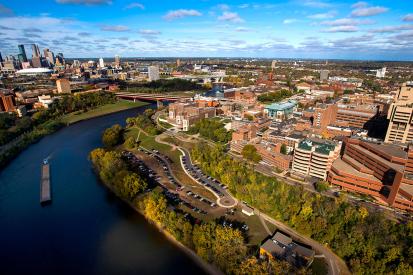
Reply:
x=86, y=229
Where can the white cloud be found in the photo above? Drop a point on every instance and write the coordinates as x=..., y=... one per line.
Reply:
x=149, y=32
x=347, y=22
x=368, y=11
x=326, y=15
x=135, y=5
x=242, y=29
x=342, y=29
x=289, y=21
x=84, y=2
x=408, y=17
x=223, y=7
x=315, y=3
x=243, y=6
x=175, y=14
x=231, y=17
x=360, y=5
x=392, y=29
x=115, y=28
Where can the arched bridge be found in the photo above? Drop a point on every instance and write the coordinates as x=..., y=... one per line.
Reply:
x=150, y=97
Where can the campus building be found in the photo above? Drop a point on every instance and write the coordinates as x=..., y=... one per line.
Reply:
x=63, y=86
x=400, y=116
x=281, y=111
x=185, y=114
x=384, y=171
x=314, y=157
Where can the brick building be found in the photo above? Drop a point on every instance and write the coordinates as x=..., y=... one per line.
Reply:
x=384, y=171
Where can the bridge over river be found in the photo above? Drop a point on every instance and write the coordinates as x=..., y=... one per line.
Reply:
x=150, y=97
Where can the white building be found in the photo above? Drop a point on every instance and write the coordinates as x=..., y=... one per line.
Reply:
x=153, y=73
x=381, y=73
x=101, y=63
x=314, y=157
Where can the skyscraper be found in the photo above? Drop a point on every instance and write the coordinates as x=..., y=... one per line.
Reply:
x=60, y=59
x=22, y=53
x=35, y=51
x=117, y=60
x=49, y=56
x=36, y=57
x=323, y=75
x=153, y=73
x=1, y=58
x=101, y=63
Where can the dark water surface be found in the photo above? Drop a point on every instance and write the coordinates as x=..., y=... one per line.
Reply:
x=86, y=229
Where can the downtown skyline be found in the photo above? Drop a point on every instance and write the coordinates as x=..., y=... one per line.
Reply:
x=373, y=30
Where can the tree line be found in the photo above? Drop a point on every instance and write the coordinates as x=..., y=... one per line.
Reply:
x=18, y=133
x=367, y=241
x=211, y=129
x=275, y=96
x=162, y=86
x=224, y=247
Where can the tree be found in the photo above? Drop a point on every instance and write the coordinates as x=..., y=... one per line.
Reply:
x=228, y=248
x=322, y=186
x=250, y=152
x=112, y=136
x=132, y=184
x=283, y=149
x=130, y=143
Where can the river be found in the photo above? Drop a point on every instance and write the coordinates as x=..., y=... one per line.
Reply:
x=86, y=229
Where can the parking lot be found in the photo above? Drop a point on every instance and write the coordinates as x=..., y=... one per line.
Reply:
x=158, y=170
x=224, y=199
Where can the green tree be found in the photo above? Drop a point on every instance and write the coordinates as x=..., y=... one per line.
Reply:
x=283, y=149
x=250, y=153
x=112, y=136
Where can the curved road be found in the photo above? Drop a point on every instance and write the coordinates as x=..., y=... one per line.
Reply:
x=336, y=265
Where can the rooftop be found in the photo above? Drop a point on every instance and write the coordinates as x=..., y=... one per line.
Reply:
x=282, y=106
x=321, y=146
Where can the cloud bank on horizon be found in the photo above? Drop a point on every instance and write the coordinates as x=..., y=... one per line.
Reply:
x=340, y=29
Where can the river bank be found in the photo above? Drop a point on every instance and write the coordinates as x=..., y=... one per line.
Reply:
x=120, y=105
x=9, y=151
x=210, y=269
x=86, y=229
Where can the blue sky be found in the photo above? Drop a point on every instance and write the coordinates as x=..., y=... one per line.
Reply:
x=380, y=30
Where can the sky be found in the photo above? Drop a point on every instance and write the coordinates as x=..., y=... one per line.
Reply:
x=320, y=29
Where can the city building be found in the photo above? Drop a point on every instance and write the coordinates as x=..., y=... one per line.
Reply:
x=400, y=116
x=7, y=102
x=34, y=71
x=271, y=156
x=281, y=246
x=356, y=115
x=153, y=73
x=22, y=54
x=49, y=57
x=117, y=61
x=324, y=75
x=280, y=111
x=185, y=114
x=314, y=157
x=36, y=57
x=101, y=63
x=381, y=73
x=245, y=132
x=383, y=171
x=63, y=86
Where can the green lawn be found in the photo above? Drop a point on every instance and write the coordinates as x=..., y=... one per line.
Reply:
x=102, y=110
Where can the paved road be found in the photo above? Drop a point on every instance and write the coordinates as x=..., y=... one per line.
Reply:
x=336, y=265
x=224, y=198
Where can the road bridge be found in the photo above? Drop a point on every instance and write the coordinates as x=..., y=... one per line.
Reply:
x=150, y=97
